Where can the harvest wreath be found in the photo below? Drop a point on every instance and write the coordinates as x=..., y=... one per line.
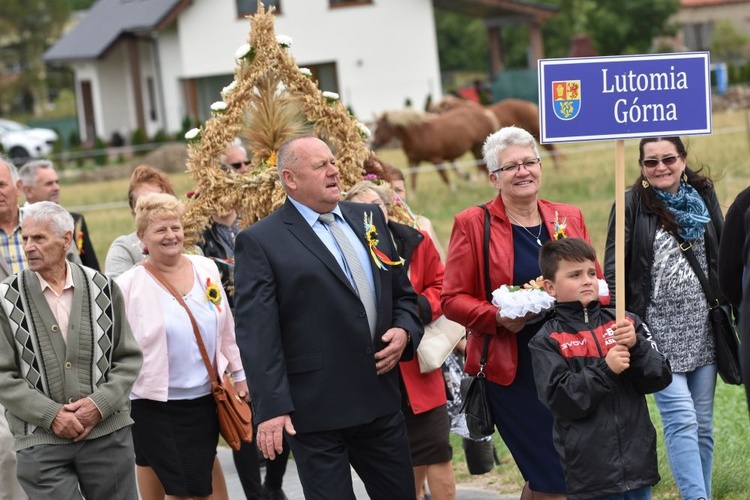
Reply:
x=270, y=100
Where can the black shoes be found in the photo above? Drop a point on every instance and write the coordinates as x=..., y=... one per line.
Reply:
x=274, y=494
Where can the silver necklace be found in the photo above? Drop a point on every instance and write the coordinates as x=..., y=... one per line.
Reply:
x=538, y=236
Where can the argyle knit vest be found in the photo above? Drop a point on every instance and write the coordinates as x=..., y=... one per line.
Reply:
x=37, y=360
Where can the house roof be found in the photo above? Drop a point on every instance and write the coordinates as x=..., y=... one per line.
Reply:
x=498, y=8
x=106, y=22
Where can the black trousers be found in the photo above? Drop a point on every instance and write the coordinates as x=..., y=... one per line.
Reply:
x=247, y=463
x=378, y=451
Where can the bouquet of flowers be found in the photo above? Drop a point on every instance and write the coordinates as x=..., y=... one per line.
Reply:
x=517, y=301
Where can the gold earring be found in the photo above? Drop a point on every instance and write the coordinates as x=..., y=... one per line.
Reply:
x=645, y=184
x=684, y=176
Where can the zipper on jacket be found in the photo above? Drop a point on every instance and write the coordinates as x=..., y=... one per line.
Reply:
x=593, y=333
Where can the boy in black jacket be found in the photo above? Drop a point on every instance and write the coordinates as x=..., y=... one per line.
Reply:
x=593, y=372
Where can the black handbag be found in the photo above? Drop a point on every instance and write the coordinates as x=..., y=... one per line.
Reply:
x=481, y=456
x=722, y=324
x=476, y=402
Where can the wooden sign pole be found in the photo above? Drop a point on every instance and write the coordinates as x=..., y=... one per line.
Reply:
x=620, y=228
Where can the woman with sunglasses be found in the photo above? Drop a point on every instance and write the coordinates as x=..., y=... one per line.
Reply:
x=668, y=209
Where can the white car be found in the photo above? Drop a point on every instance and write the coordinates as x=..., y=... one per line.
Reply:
x=21, y=142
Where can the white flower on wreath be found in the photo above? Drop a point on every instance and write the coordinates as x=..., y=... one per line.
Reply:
x=284, y=41
x=193, y=134
x=363, y=130
x=229, y=88
x=243, y=51
x=219, y=107
x=330, y=96
x=306, y=72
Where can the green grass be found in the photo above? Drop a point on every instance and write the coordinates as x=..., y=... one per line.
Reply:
x=586, y=180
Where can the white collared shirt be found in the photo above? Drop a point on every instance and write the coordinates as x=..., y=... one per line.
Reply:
x=322, y=231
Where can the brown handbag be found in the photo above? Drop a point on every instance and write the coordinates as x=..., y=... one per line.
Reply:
x=233, y=411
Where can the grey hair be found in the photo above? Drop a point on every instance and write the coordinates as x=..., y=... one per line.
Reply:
x=59, y=219
x=27, y=174
x=506, y=137
x=232, y=146
x=11, y=168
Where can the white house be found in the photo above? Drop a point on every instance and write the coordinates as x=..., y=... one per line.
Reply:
x=150, y=63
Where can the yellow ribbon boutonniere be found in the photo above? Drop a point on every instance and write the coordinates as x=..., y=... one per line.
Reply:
x=560, y=227
x=371, y=234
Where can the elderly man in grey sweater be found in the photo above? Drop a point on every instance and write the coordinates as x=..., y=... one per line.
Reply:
x=67, y=363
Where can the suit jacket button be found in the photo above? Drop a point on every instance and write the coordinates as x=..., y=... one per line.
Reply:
x=368, y=350
x=68, y=365
x=361, y=314
x=54, y=328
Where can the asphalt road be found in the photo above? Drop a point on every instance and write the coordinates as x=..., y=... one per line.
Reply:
x=293, y=488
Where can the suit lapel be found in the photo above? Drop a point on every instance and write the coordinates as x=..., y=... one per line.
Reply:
x=355, y=219
x=301, y=230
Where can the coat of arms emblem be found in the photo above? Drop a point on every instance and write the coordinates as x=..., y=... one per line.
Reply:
x=566, y=98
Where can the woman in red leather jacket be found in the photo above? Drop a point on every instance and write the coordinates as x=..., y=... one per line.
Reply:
x=423, y=394
x=520, y=223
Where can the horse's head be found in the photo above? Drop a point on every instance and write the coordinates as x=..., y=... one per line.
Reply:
x=384, y=132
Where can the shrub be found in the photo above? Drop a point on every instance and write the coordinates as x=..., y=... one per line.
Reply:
x=100, y=157
x=138, y=138
x=160, y=136
x=74, y=139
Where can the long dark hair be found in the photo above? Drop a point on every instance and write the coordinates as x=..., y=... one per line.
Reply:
x=702, y=183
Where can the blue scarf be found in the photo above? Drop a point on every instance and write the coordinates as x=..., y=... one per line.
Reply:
x=689, y=209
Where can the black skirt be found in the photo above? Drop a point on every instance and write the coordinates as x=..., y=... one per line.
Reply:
x=177, y=439
x=429, y=436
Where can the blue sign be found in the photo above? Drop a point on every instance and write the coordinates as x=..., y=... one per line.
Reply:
x=621, y=97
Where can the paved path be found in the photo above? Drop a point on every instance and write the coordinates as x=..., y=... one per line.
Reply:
x=293, y=488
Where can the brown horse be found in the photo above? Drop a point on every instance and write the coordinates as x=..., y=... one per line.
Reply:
x=518, y=112
x=435, y=138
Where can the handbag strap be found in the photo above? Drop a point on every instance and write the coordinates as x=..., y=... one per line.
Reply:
x=487, y=285
x=687, y=249
x=204, y=354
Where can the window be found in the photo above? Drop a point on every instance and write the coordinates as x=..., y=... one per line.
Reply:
x=348, y=3
x=248, y=7
x=326, y=76
x=697, y=36
x=151, y=98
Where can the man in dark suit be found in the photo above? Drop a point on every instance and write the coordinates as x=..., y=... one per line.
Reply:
x=321, y=361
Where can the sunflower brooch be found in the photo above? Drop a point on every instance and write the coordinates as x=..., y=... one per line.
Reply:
x=213, y=294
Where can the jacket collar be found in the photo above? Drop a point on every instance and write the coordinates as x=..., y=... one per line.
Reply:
x=300, y=228
x=574, y=312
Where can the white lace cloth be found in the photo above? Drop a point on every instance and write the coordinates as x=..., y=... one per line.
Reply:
x=517, y=303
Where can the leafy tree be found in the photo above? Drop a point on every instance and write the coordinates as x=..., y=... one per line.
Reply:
x=628, y=27
x=80, y=4
x=33, y=25
x=727, y=44
x=614, y=26
x=462, y=42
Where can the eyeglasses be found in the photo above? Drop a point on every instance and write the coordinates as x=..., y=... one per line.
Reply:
x=239, y=164
x=654, y=162
x=527, y=164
